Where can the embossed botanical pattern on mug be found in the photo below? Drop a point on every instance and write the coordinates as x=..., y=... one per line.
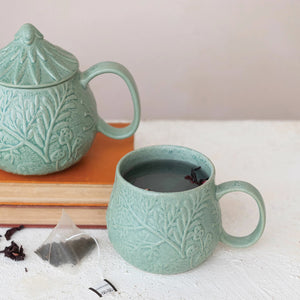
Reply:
x=147, y=227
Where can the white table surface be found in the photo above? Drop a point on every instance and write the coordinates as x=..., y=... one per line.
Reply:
x=265, y=153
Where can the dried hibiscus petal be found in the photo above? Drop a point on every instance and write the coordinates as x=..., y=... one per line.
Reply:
x=11, y=231
x=193, y=177
x=14, y=251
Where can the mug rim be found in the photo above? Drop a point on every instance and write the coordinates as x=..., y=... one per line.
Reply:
x=164, y=146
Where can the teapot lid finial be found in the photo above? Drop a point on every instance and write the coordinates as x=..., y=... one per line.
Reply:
x=27, y=33
x=32, y=62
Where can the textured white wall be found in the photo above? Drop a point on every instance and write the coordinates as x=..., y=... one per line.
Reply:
x=192, y=59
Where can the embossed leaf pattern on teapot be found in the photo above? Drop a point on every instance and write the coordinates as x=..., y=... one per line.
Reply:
x=48, y=115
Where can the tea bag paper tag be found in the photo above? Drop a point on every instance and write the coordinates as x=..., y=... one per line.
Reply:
x=104, y=288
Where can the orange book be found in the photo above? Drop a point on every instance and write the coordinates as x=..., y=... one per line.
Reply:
x=83, y=190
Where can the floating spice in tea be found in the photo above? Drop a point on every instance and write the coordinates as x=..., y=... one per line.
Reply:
x=194, y=178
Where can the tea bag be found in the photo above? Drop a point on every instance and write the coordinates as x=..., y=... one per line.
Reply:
x=67, y=244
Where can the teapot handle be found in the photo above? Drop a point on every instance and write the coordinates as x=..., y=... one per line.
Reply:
x=120, y=70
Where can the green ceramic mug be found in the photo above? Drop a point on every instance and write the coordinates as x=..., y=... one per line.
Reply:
x=172, y=232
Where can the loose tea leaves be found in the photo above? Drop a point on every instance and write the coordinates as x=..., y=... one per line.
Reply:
x=11, y=231
x=59, y=253
x=14, y=252
x=194, y=178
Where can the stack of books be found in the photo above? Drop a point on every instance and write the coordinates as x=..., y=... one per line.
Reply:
x=83, y=190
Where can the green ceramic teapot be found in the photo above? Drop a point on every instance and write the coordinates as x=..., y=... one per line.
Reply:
x=48, y=115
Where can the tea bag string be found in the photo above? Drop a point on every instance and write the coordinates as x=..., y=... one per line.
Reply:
x=97, y=244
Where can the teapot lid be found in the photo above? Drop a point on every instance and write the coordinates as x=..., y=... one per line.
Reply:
x=31, y=62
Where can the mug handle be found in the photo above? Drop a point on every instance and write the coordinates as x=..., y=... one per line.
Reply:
x=242, y=186
x=120, y=70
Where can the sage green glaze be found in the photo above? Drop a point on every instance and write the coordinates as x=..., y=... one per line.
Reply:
x=170, y=233
x=48, y=114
